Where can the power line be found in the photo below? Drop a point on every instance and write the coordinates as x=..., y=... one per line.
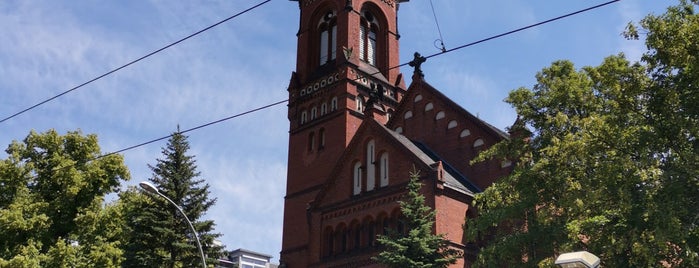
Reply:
x=193, y=128
x=286, y=100
x=513, y=31
x=437, y=54
x=181, y=132
x=134, y=61
x=441, y=39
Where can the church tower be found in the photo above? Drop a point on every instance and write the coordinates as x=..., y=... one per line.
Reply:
x=345, y=52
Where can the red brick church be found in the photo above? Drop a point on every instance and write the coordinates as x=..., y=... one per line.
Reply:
x=356, y=132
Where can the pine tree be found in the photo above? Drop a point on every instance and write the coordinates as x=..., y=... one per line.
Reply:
x=158, y=233
x=419, y=246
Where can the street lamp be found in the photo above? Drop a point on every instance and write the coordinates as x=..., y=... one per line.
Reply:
x=579, y=259
x=151, y=188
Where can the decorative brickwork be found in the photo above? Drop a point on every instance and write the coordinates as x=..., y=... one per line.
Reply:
x=356, y=132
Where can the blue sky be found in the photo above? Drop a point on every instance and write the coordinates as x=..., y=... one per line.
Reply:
x=47, y=47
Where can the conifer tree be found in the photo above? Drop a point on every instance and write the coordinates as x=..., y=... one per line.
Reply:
x=158, y=234
x=418, y=246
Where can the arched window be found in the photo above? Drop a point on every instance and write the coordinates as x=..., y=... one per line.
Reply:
x=333, y=104
x=370, y=166
x=368, y=30
x=478, y=143
x=304, y=117
x=311, y=141
x=429, y=107
x=356, y=235
x=321, y=137
x=328, y=242
x=323, y=108
x=360, y=104
x=383, y=169
x=314, y=113
x=452, y=124
x=439, y=115
x=327, y=27
x=357, y=188
x=418, y=98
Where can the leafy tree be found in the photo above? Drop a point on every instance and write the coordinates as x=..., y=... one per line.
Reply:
x=611, y=165
x=157, y=234
x=52, y=190
x=419, y=246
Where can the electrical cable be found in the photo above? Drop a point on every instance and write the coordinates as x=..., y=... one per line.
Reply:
x=134, y=61
x=441, y=39
x=512, y=31
x=286, y=100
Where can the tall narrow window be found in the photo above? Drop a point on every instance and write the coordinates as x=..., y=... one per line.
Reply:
x=323, y=108
x=314, y=113
x=328, y=38
x=311, y=141
x=367, y=38
x=360, y=104
x=333, y=104
x=321, y=136
x=304, y=117
x=370, y=166
x=383, y=169
x=357, y=178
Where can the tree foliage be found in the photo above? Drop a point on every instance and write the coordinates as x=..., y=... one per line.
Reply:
x=156, y=234
x=611, y=165
x=52, y=190
x=418, y=246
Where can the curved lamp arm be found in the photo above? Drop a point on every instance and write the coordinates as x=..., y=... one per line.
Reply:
x=151, y=188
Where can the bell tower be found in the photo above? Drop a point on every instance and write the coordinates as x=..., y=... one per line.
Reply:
x=347, y=54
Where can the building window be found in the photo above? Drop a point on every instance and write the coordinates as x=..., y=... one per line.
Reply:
x=321, y=137
x=328, y=37
x=360, y=104
x=314, y=113
x=429, y=107
x=311, y=141
x=323, y=108
x=368, y=29
x=399, y=130
x=408, y=114
x=465, y=133
x=370, y=166
x=357, y=178
x=304, y=117
x=328, y=242
x=439, y=115
x=333, y=104
x=452, y=124
x=478, y=143
x=417, y=98
x=383, y=169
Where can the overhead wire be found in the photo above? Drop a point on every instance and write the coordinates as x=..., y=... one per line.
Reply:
x=397, y=66
x=441, y=39
x=134, y=61
x=512, y=31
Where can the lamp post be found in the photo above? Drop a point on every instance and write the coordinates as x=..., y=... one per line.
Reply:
x=151, y=188
x=579, y=259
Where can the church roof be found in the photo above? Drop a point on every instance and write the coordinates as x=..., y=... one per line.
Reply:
x=420, y=84
x=453, y=178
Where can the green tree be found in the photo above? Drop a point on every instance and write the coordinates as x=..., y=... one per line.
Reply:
x=611, y=165
x=157, y=234
x=52, y=190
x=418, y=246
